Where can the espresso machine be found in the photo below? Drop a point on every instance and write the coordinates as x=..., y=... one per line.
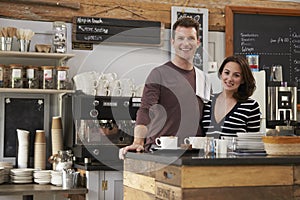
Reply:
x=281, y=103
x=96, y=127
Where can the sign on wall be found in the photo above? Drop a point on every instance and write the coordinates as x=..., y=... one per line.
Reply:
x=97, y=30
x=201, y=15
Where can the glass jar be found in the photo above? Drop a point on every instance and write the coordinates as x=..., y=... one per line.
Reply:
x=62, y=78
x=60, y=37
x=2, y=67
x=16, y=76
x=47, y=77
x=32, y=77
x=6, y=76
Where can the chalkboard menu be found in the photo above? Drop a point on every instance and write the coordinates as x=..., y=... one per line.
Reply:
x=21, y=113
x=273, y=34
x=98, y=30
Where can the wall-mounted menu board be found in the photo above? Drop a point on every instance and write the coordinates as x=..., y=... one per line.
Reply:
x=98, y=30
x=273, y=34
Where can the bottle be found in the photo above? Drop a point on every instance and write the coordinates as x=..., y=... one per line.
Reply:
x=60, y=37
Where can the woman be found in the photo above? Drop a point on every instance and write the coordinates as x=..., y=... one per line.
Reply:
x=232, y=110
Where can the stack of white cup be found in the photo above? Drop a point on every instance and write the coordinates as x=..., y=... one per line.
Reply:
x=87, y=82
x=40, y=150
x=23, y=148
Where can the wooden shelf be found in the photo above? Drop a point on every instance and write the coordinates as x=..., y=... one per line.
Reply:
x=59, y=56
x=34, y=91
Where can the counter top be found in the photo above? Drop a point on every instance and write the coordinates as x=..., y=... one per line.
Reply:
x=31, y=189
x=185, y=175
x=197, y=158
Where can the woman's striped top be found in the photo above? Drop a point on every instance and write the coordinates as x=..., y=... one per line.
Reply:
x=244, y=117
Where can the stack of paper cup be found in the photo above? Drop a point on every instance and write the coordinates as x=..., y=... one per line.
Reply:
x=23, y=148
x=56, y=135
x=40, y=150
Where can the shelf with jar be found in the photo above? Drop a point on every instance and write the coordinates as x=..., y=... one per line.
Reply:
x=57, y=56
x=24, y=78
x=34, y=91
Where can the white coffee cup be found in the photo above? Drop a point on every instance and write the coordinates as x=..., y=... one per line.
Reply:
x=102, y=88
x=87, y=82
x=109, y=76
x=196, y=142
x=167, y=142
x=221, y=146
x=127, y=87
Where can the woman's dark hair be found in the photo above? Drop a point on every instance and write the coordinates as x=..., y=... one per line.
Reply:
x=246, y=89
x=186, y=22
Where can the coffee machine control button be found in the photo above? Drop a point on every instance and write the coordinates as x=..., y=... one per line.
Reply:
x=94, y=113
x=126, y=104
x=96, y=103
x=96, y=152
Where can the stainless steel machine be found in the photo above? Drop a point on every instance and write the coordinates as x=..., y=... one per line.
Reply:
x=281, y=105
x=96, y=127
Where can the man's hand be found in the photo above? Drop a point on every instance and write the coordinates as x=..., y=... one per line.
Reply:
x=133, y=147
x=140, y=132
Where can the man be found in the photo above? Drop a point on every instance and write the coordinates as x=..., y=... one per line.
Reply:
x=172, y=101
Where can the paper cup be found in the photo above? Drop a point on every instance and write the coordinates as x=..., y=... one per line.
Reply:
x=56, y=122
x=40, y=136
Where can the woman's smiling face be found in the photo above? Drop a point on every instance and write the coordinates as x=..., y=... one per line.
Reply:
x=232, y=76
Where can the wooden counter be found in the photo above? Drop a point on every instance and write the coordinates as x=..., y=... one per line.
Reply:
x=193, y=176
x=33, y=189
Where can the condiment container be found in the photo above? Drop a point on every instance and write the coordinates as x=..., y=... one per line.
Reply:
x=62, y=78
x=60, y=37
x=16, y=76
x=32, y=77
x=48, y=73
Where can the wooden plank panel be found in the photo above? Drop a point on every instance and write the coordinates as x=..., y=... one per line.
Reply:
x=139, y=182
x=168, y=174
x=239, y=193
x=131, y=193
x=165, y=191
x=296, y=190
x=131, y=9
x=140, y=167
x=297, y=174
x=222, y=176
